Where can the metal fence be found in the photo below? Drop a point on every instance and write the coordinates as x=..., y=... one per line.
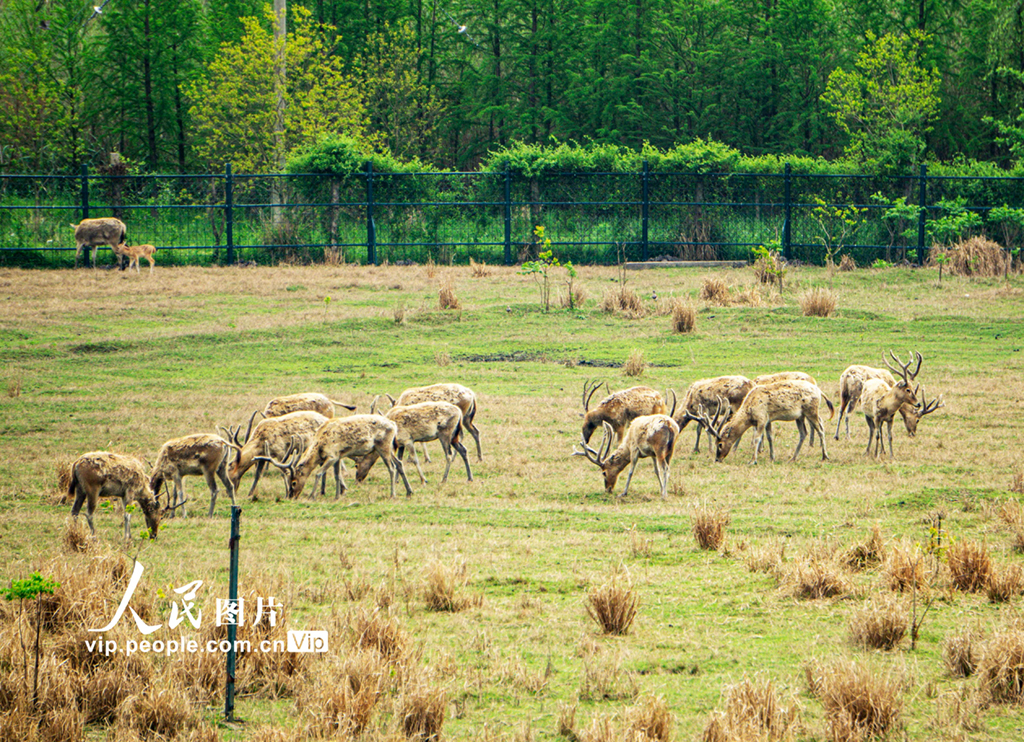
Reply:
x=452, y=217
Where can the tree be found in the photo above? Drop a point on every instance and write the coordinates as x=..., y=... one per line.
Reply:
x=234, y=106
x=885, y=105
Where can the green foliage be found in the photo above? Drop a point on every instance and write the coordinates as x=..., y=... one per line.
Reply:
x=956, y=224
x=768, y=262
x=30, y=587
x=541, y=268
x=836, y=223
x=885, y=105
x=1011, y=224
x=880, y=263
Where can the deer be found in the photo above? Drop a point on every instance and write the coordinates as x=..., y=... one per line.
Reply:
x=851, y=384
x=880, y=402
x=311, y=402
x=91, y=233
x=275, y=436
x=419, y=423
x=134, y=252
x=104, y=474
x=461, y=396
x=765, y=379
x=620, y=408
x=784, y=400
x=705, y=393
x=343, y=437
x=648, y=436
x=201, y=453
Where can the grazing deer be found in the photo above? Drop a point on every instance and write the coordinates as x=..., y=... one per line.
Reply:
x=881, y=402
x=95, y=232
x=419, y=423
x=134, y=252
x=784, y=400
x=648, y=436
x=308, y=402
x=343, y=437
x=462, y=397
x=275, y=436
x=705, y=393
x=190, y=455
x=103, y=474
x=620, y=408
x=765, y=379
x=851, y=384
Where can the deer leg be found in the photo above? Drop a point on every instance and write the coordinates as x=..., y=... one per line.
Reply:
x=400, y=469
x=839, y=422
x=696, y=444
x=222, y=472
x=802, y=430
x=77, y=507
x=179, y=494
x=416, y=460
x=889, y=425
x=771, y=442
x=127, y=520
x=821, y=434
x=449, y=454
x=871, y=434
x=457, y=444
x=256, y=478
x=426, y=454
x=629, y=477
x=467, y=424
x=211, y=482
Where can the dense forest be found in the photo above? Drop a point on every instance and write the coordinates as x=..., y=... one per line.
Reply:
x=184, y=85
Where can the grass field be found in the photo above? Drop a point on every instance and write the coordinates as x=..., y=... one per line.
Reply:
x=106, y=360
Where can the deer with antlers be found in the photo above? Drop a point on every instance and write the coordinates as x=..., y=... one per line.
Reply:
x=306, y=402
x=343, y=437
x=620, y=408
x=880, y=402
x=420, y=423
x=461, y=396
x=648, y=436
x=791, y=400
x=275, y=436
x=705, y=393
x=103, y=474
x=202, y=453
x=851, y=386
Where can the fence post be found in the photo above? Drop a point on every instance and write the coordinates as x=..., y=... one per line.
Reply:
x=229, y=695
x=508, y=215
x=229, y=212
x=85, y=208
x=371, y=231
x=921, y=214
x=645, y=208
x=787, y=192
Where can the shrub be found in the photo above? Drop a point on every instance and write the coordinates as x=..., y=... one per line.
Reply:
x=614, y=605
x=976, y=256
x=714, y=290
x=819, y=302
x=684, y=317
x=881, y=624
x=961, y=653
x=858, y=702
x=970, y=565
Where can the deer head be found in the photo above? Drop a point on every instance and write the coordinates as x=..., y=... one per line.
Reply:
x=913, y=415
x=601, y=456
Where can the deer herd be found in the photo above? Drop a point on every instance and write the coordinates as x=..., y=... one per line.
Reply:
x=301, y=436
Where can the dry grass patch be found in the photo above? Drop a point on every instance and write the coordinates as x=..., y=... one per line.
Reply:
x=709, y=527
x=443, y=584
x=624, y=301
x=961, y=652
x=76, y=538
x=479, y=270
x=635, y=365
x=421, y=709
x=977, y=256
x=684, y=317
x=970, y=565
x=650, y=719
x=1005, y=583
x=574, y=298
x=447, y=297
x=1001, y=669
x=847, y=264
x=767, y=557
x=639, y=544
x=814, y=579
x=381, y=632
x=869, y=554
x=754, y=711
x=859, y=702
x=340, y=701
x=614, y=605
x=880, y=624
x=1017, y=482
x=903, y=568
x=714, y=290
x=818, y=302
x=606, y=679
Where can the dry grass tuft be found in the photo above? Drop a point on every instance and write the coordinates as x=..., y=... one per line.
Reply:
x=880, y=624
x=767, y=557
x=442, y=359
x=868, y=554
x=903, y=568
x=157, y=712
x=859, y=703
x=820, y=578
x=714, y=290
x=1005, y=583
x=847, y=264
x=976, y=256
x=970, y=565
x=14, y=388
x=605, y=679
x=579, y=297
x=625, y=301
x=753, y=711
x=398, y=314
x=341, y=701
x=684, y=317
x=479, y=270
x=818, y=302
x=381, y=632
x=961, y=652
x=447, y=298
x=709, y=527
x=649, y=720
x=639, y=544
x=567, y=721
x=1017, y=482
x=76, y=538
x=1017, y=545
x=635, y=365
x=421, y=709
x=1001, y=669
x=768, y=270
x=442, y=585
x=614, y=605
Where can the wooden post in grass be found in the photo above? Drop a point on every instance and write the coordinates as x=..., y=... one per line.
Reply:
x=229, y=700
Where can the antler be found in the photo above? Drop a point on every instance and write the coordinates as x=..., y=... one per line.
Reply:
x=674, y=400
x=904, y=371
x=249, y=429
x=289, y=461
x=930, y=406
x=709, y=423
x=588, y=393
x=172, y=508
x=601, y=454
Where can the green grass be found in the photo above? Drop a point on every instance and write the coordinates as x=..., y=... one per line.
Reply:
x=102, y=360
